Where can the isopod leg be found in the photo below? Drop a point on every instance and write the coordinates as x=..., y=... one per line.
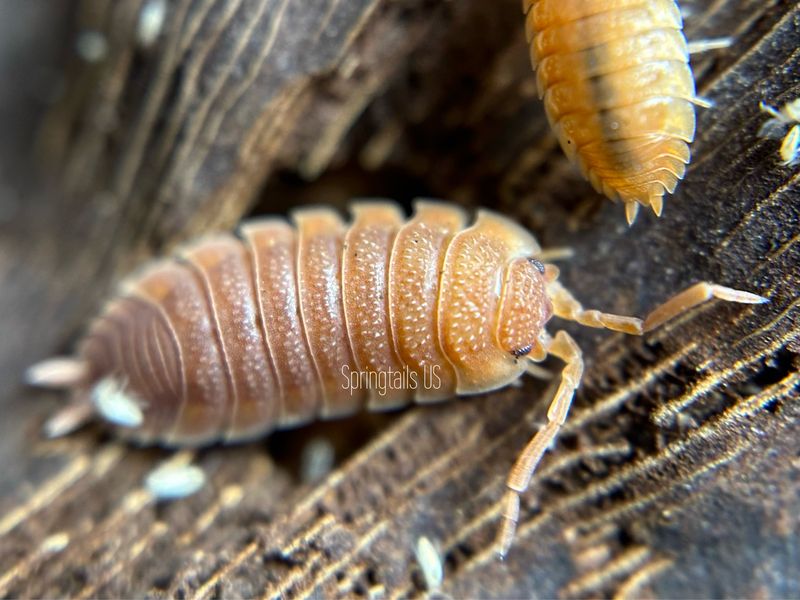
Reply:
x=694, y=295
x=702, y=102
x=564, y=347
x=704, y=45
x=567, y=307
x=535, y=370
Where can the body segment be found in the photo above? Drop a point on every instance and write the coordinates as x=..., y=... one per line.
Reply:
x=415, y=287
x=365, y=273
x=618, y=92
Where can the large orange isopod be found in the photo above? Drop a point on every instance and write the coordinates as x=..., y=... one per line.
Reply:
x=239, y=335
x=618, y=91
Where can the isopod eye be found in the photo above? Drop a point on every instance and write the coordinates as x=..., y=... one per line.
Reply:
x=538, y=264
x=524, y=307
x=524, y=351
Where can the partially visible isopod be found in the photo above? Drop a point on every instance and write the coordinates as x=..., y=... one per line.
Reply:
x=235, y=337
x=787, y=116
x=618, y=91
x=430, y=562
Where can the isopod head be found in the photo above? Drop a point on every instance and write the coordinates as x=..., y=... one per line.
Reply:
x=492, y=304
x=525, y=308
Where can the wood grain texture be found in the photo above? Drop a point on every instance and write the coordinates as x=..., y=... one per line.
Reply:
x=677, y=474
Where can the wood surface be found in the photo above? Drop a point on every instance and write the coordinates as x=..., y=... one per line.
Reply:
x=678, y=473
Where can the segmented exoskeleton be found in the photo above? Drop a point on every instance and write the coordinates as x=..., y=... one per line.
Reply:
x=237, y=336
x=618, y=91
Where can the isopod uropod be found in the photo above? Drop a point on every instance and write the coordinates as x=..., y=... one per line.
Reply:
x=618, y=91
x=235, y=337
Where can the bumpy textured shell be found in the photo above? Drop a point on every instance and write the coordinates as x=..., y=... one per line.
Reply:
x=237, y=336
x=618, y=91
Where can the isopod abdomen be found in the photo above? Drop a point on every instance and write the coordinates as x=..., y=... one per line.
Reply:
x=239, y=335
x=618, y=91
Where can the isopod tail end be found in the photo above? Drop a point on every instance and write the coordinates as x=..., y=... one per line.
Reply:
x=631, y=210
x=657, y=204
x=58, y=372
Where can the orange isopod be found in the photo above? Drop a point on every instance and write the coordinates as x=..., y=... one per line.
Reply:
x=237, y=336
x=618, y=91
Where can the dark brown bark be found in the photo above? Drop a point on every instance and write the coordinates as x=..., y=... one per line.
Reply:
x=677, y=474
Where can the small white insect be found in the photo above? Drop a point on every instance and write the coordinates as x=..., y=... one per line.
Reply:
x=430, y=562
x=91, y=46
x=317, y=459
x=151, y=22
x=115, y=404
x=54, y=543
x=174, y=479
x=774, y=128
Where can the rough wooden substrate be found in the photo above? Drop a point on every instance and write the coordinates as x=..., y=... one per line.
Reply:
x=677, y=475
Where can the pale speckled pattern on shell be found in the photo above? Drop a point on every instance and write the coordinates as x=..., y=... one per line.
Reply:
x=235, y=337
